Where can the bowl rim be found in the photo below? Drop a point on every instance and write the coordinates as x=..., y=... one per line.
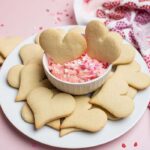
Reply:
x=45, y=65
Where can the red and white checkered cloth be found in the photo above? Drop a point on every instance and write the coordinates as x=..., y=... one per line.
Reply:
x=130, y=18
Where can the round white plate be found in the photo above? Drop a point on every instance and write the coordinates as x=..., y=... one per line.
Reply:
x=48, y=136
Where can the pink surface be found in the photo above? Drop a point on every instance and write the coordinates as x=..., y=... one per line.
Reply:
x=21, y=17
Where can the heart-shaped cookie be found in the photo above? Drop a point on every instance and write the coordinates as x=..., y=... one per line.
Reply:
x=109, y=115
x=13, y=76
x=127, y=55
x=47, y=108
x=46, y=83
x=133, y=76
x=80, y=30
x=102, y=44
x=66, y=131
x=37, y=38
x=27, y=116
x=62, y=47
x=7, y=44
x=132, y=92
x=31, y=75
x=31, y=53
x=25, y=81
x=84, y=117
x=112, y=97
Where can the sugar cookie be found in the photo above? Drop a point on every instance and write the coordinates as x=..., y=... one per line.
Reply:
x=111, y=97
x=7, y=44
x=37, y=38
x=66, y=131
x=110, y=116
x=27, y=116
x=80, y=30
x=133, y=76
x=127, y=55
x=1, y=60
x=31, y=53
x=62, y=48
x=13, y=76
x=47, y=108
x=131, y=92
x=31, y=75
x=45, y=83
x=84, y=117
x=102, y=44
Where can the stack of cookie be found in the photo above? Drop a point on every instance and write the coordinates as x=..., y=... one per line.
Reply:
x=46, y=105
x=7, y=44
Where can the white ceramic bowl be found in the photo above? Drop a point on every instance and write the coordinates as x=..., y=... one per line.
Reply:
x=75, y=88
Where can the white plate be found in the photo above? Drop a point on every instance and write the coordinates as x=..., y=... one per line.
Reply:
x=82, y=16
x=48, y=136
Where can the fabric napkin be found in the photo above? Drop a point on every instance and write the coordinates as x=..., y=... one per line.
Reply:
x=131, y=19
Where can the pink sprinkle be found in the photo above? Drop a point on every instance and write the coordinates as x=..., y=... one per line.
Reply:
x=79, y=70
x=67, y=4
x=47, y=10
x=59, y=13
x=123, y=145
x=58, y=19
x=71, y=17
x=87, y=1
x=2, y=25
x=135, y=144
x=67, y=15
x=40, y=28
x=34, y=145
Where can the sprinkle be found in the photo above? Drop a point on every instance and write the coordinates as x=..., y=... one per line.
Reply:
x=2, y=25
x=123, y=145
x=87, y=1
x=135, y=144
x=65, y=10
x=47, y=10
x=40, y=28
x=59, y=13
x=58, y=19
x=79, y=70
x=34, y=145
x=71, y=17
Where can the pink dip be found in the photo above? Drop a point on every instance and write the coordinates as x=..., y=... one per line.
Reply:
x=80, y=70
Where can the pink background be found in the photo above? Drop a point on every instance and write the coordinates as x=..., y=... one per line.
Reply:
x=26, y=17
